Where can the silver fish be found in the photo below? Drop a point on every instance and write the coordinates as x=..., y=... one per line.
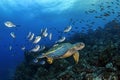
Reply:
x=44, y=33
x=12, y=34
x=41, y=30
x=55, y=45
x=10, y=48
x=37, y=39
x=67, y=29
x=23, y=48
x=35, y=60
x=31, y=37
x=61, y=40
x=35, y=49
x=50, y=36
x=45, y=30
x=29, y=34
x=42, y=48
x=9, y=24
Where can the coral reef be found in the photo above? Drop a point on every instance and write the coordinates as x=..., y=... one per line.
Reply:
x=99, y=60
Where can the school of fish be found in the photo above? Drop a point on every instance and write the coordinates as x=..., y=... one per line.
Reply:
x=36, y=39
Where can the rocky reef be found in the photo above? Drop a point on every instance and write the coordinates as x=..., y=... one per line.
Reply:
x=99, y=60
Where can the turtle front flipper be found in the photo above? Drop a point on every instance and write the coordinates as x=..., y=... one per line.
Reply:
x=76, y=56
x=50, y=60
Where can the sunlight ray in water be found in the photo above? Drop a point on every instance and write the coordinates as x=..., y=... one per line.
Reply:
x=47, y=5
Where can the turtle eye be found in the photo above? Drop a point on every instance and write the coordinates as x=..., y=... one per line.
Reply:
x=81, y=45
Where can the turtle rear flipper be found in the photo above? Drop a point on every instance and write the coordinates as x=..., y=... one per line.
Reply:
x=76, y=56
x=50, y=60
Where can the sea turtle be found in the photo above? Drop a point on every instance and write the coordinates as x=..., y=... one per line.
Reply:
x=63, y=50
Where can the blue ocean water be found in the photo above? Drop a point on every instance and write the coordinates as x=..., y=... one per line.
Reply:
x=34, y=15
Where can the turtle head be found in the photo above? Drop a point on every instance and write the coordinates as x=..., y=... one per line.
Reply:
x=79, y=46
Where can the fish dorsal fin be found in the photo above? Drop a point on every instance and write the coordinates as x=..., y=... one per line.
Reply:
x=76, y=56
